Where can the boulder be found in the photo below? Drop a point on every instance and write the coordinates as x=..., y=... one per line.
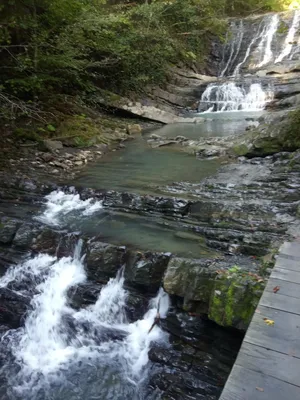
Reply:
x=47, y=157
x=134, y=129
x=47, y=241
x=13, y=307
x=103, y=260
x=51, y=145
x=8, y=230
x=228, y=294
x=145, y=270
x=84, y=294
x=278, y=132
x=234, y=298
x=25, y=235
x=192, y=280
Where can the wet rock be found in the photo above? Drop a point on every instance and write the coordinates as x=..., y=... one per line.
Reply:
x=136, y=305
x=25, y=235
x=228, y=293
x=235, y=296
x=51, y=145
x=84, y=294
x=278, y=133
x=145, y=270
x=134, y=129
x=103, y=260
x=47, y=241
x=8, y=230
x=47, y=157
x=66, y=246
x=193, y=280
x=13, y=308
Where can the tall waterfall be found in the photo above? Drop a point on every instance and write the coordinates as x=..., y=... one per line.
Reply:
x=264, y=47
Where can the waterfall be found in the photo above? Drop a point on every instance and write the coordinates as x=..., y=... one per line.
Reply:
x=60, y=205
x=235, y=45
x=265, y=45
x=58, y=341
x=230, y=97
x=289, y=40
x=234, y=96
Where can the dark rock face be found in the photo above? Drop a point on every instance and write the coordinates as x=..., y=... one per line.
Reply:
x=84, y=295
x=25, y=235
x=147, y=203
x=13, y=308
x=47, y=241
x=197, y=363
x=103, y=260
x=136, y=305
x=8, y=230
x=145, y=270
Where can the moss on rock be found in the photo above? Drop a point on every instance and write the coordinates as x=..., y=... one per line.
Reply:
x=234, y=298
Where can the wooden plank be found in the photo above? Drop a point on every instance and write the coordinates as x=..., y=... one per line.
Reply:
x=288, y=263
x=242, y=384
x=268, y=362
x=286, y=275
x=286, y=288
x=280, y=302
x=291, y=249
x=283, y=336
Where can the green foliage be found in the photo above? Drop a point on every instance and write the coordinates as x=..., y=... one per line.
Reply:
x=79, y=46
x=51, y=128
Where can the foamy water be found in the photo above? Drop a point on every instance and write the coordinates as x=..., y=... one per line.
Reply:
x=56, y=336
x=60, y=204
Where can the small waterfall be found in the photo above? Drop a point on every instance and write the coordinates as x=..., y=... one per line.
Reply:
x=289, y=40
x=230, y=97
x=60, y=204
x=265, y=45
x=58, y=343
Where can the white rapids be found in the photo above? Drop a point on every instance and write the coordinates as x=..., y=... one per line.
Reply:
x=60, y=204
x=230, y=97
x=56, y=337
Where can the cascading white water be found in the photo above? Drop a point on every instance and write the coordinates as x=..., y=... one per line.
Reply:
x=229, y=97
x=60, y=204
x=289, y=40
x=56, y=336
x=238, y=33
x=265, y=44
x=253, y=42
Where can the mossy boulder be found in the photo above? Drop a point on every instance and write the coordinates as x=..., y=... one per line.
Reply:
x=276, y=134
x=234, y=298
x=227, y=294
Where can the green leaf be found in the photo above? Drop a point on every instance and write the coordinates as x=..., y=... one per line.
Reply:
x=51, y=128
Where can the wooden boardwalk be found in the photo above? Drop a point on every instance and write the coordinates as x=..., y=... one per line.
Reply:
x=268, y=364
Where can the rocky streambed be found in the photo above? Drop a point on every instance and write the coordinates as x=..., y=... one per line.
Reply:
x=82, y=263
